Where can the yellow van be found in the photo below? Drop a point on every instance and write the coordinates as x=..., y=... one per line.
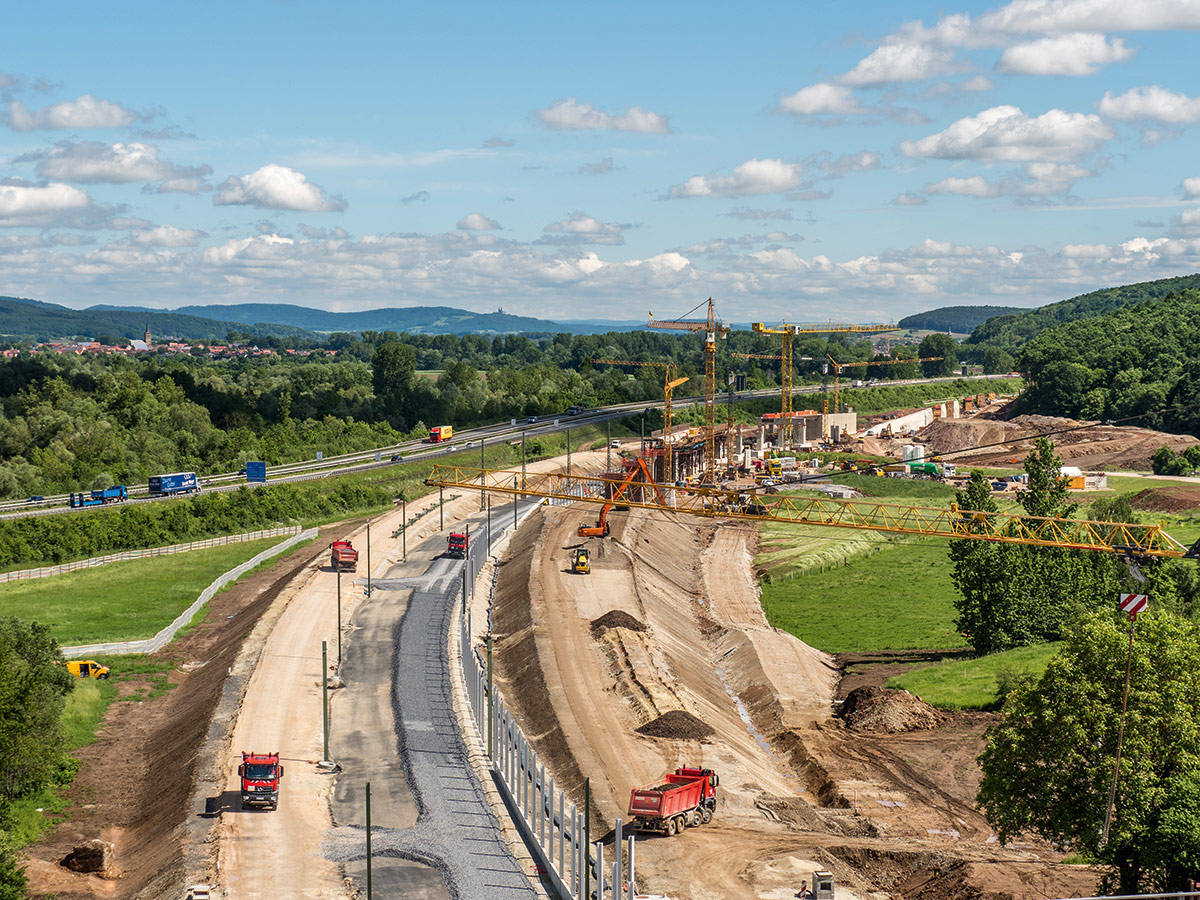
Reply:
x=86, y=668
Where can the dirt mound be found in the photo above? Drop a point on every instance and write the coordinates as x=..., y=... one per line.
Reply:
x=888, y=711
x=616, y=618
x=1169, y=499
x=677, y=724
x=1098, y=447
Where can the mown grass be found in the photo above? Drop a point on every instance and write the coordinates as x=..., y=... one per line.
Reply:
x=972, y=683
x=122, y=601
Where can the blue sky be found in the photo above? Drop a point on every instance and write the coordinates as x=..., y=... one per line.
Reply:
x=796, y=161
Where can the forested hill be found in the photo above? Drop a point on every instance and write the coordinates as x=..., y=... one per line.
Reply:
x=1009, y=332
x=958, y=319
x=33, y=320
x=1141, y=360
x=413, y=320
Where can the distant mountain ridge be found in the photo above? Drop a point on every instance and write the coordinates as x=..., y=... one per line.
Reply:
x=23, y=319
x=413, y=319
x=958, y=319
x=1011, y=332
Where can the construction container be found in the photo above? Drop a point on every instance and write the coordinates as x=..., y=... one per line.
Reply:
x=822, y=888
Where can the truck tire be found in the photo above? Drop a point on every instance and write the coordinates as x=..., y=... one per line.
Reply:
x=670, y=825
x=705, y=815
x=681, y=823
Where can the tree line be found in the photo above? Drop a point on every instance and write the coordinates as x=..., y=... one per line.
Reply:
x=1048, y=763
x=86, y=422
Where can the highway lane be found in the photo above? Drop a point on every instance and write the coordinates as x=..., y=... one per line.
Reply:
x=417, y=450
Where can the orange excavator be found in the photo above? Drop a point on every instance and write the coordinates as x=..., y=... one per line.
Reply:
x=634, y=467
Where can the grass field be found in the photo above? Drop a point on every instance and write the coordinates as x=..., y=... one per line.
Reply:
x=122, y=601
x=971, y=683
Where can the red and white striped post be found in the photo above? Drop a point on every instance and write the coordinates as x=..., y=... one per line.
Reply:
x=1131, y=605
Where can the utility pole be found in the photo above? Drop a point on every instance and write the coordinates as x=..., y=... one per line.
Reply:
x=608, y=446
x=1132, y=604
x=369, y=894
x=441, y=508
x=523, y=457
x=325, y=698
x=568, y=449
x=404, y=528
x=482, y=477
x=339, y=616
x=368, y=559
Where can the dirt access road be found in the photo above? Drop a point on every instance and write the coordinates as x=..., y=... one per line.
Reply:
x=661, y=657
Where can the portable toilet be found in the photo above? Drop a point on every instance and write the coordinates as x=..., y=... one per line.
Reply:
x=822, y=885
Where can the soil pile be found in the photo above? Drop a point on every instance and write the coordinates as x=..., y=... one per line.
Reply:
x=677, y=724
x=1170, y=499
x=1095, y=447
x=616, y=618
x=888, y=711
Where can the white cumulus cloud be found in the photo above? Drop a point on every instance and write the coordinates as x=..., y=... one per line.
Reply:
x=276, y=187
x=167, y=236
x=1151, y=102
x=90, y=162
x=1004, y=133
x=1058, y=16
x=755, y=176
x=26, y=205
x=569, y=115
x=901, y=62
x=823, y=99
x=974, y=186
x=477, y=222
x=580, y=228
x=1069, y=54
x=84, y=112
x=1191, y=186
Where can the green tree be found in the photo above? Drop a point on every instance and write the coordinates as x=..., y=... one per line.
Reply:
x=996, y=361
x=1012, y=595
x=1047, y=766
x=938, y=344
x=33, y=688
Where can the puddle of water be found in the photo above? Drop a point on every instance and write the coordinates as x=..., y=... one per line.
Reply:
x=744, y=714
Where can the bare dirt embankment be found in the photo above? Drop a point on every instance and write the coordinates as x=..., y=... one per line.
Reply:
x=661, y=657
x=996, y=442
x=135, y=781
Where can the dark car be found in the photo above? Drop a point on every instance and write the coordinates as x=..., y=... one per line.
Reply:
x=36, y=498
x=395, y=457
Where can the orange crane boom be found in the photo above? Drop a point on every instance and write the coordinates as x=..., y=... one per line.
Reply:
x=711, y=326
x=669, y=385
x=786, y=332
x=600, y=529
x=1138, y=542
x=837, y=373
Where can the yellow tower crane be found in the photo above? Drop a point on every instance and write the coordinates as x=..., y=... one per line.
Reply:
x=786, y=332
x=669, y=385
x=712, y=326
x=1132, y=541
x=837, y=373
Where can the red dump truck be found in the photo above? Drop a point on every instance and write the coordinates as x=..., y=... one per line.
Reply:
x=688, y=797
x=456, y=545
x=260, y=774
x=343, y=556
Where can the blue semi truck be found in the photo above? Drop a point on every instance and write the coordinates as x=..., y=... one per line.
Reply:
x=115, y=494
x=174, y=483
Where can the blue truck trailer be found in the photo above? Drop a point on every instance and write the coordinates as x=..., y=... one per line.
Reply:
x=174, y=483
x=115, y=494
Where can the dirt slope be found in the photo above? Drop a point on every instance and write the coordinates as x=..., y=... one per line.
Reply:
x=800, y=790
x=1101, y=447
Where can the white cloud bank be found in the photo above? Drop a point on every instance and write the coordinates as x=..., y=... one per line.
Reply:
x=1004, y=133
x=1069, y=54
x=569, y=115
x=24, y=205
x=84, y=112
x=753, y=177
x=91, y=162
x=276, y=187
x=1151, y=102
x=477, y=222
